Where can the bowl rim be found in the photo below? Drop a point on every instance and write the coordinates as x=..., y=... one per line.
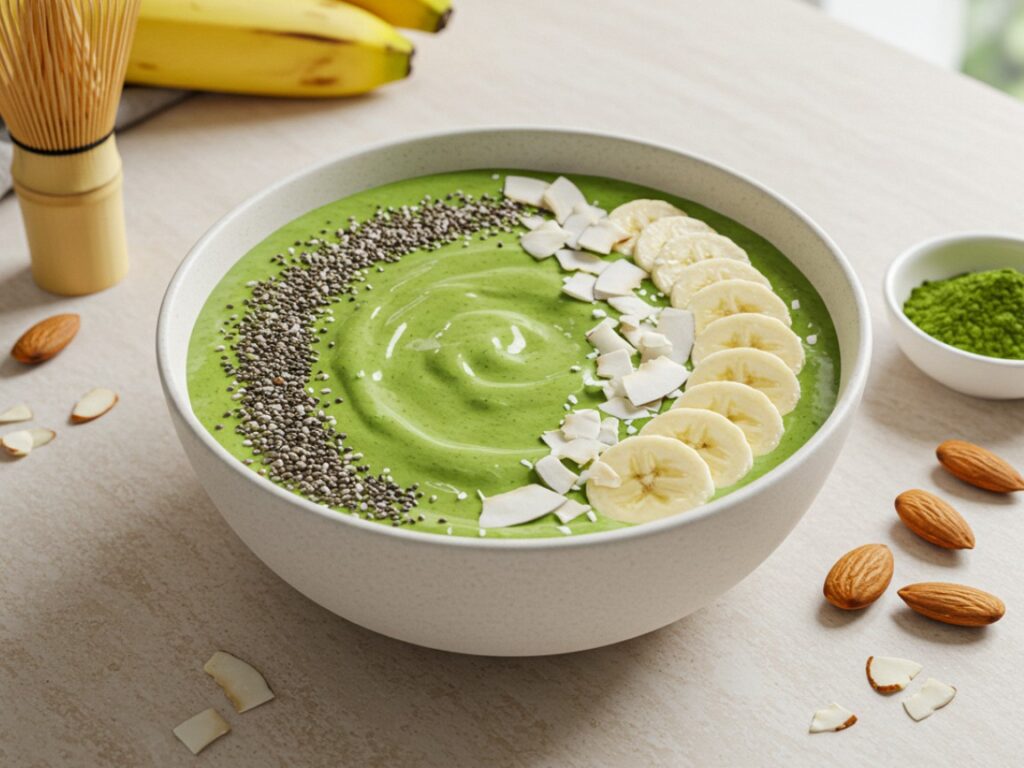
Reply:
x=919, y=251
x=844, y=409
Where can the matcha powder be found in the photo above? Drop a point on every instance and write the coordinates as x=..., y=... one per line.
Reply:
x=980, y=312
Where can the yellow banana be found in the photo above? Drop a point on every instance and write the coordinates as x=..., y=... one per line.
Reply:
x=428, y=15
x=304, y=48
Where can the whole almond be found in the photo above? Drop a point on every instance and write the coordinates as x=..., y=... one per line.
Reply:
x=45, y=339
x=934, y=520
x=953, y=603
x=979, y=467
x=859, y=577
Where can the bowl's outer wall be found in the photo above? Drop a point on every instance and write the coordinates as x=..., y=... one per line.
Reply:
x=518, y=599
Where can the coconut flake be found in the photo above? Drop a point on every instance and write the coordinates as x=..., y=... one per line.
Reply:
x=621, y=408
x=555, y=475
x=613, y=388
x=604, y=338
x=41, y=436
x=601, y=237
x=888, y=674
x=654, y=345
x=519, y=506
x=523, y=189
x=615, y=365
x=544, y=241
x=22, y=412
x=832, y=718
x=18, y=443
x=571, y=261
x=555, y=440
x=582, y=423
x=580, y=286
x=633, y=305
x=653, y=380
x=199, y=731
x=603, y=475
x=609, y=434
x=621, y=278
x=532, y=221
x=678, y=326
x=582, y=450
x=932, y=697
x=243, y=684
x=571, y=510
x=94, y=404
x=562, y=197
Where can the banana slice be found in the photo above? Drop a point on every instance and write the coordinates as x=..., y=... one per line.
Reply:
x=733, y=297
x=719, y=442
x=692, y=248
x=637, y=214
x=746, y=407
x=754, y=332
x=657, y=233
x=688, y=279
x=761, y=370
x=658, y=476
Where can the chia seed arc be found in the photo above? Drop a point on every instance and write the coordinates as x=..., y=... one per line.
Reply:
x=284, y=423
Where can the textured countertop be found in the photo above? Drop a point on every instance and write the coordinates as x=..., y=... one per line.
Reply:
x=118, y=578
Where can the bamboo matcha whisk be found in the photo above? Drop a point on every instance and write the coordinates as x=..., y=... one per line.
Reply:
x=62, y=65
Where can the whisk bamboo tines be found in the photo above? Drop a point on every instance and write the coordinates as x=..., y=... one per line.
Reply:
x=62, y=65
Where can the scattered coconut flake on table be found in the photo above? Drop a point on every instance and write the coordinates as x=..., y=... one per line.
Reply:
x=888, y=674
x=243, y=684
x=93, y=404
x=653, y=381
x=544, y=241
x=621, y=278
x=572, y=261
x=931, y=697
x=562, y=197
x=199, y=731
x=554, y=474
x=20, y=412
x=832, y=718
x=615, y=365
x=633, y=305
x=41, y=436
x=580, y=286
x=585, y=422
x=571, y=510
x=18, y=444
x=679, y=327
x=623, y=409
x=601, y=237
x=604, y=338
x=519, y=506
x=523, y=189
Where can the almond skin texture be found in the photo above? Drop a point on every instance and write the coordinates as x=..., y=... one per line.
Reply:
x=979, y=467
x=953, y=603
x=934, y=520
x=859, y=577
x=45, y=339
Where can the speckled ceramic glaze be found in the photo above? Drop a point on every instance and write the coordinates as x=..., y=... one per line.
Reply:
x=515, y=597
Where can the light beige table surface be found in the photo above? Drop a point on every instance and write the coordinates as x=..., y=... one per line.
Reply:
x=118, y=578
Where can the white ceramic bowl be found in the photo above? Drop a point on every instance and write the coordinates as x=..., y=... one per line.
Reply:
x=938, y=259
x=515, y=597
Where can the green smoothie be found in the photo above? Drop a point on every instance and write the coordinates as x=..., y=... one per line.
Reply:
x=451, y=363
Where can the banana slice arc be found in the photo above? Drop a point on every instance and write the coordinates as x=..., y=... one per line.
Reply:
x=657, y=233
x=746, y=407
x=658, y=476
x=637, y=214
x=761, y=370
x=754, y=332
x=735, y=297
x=719, y=442
x=690, y=278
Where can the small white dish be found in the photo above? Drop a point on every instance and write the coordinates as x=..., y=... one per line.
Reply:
x=938, y=259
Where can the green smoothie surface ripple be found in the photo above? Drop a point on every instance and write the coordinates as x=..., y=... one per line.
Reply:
x=452, y=362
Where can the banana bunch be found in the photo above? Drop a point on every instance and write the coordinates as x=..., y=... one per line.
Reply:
x=299, y=48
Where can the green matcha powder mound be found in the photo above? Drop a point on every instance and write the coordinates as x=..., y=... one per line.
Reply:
x=980, y=312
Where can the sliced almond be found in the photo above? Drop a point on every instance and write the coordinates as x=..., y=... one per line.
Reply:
x=979, y=467
x=46, y=339
x=523, y=189
x=41, y=436
x=20, y=412
x=200, y=731
x=859, y=577
x=932, y=696
x=243, y=684
x=571, y=510
x=888, y=674
x=555, y=475
x=955, y=604
x=519, y=506
x=653, y=380
x=94, y=404
x=934, y=520
x=18, y=443
x=620, y=278
x=834, y=717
